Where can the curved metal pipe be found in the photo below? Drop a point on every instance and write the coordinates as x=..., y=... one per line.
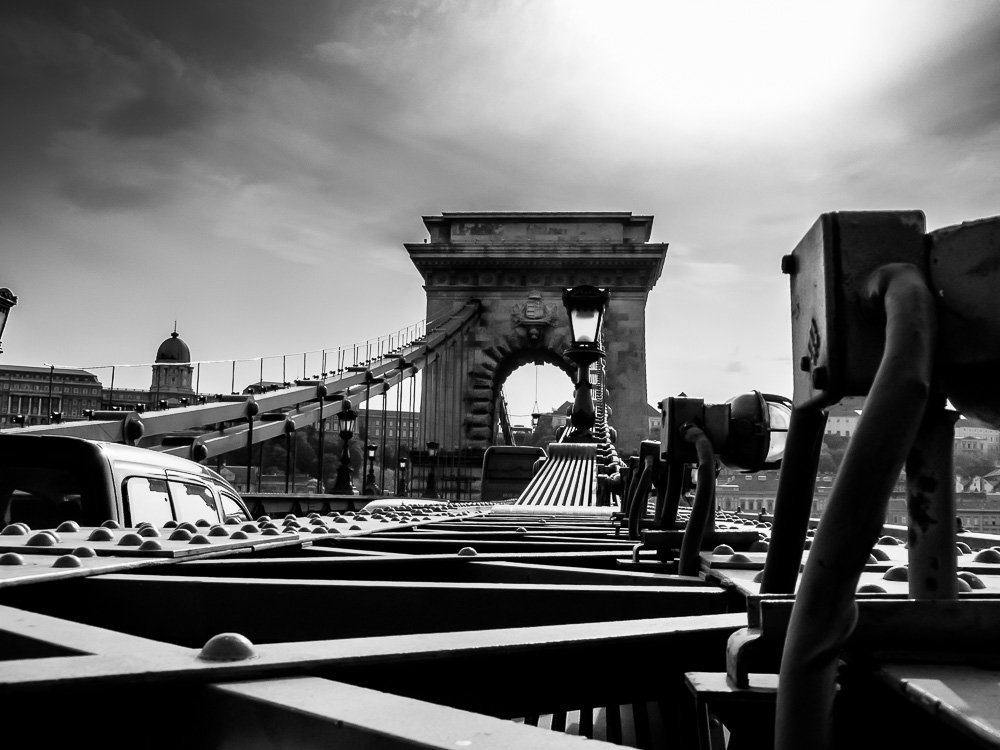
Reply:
x=704, y=499
x=631, y=479
x=793, y=501
x=672, y=489
x=825, y=610
x=640, y=498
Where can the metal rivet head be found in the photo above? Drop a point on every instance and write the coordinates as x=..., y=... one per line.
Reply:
x=67, y=561
x=41, y=539
x=85, y=552
x=180, y=535
x=101, y=534
x=897, y=573
x=130, y=540
x=820, y=378
x=227, y=647
x=111, y=524
x=68, y=527
x=200, y=539
x=987, y=556
x=13, y=529
x=974, y=581
x=218, y=531
x=467, y=552
x=871, y=588
x=149, y=532
x=789, y=264
x=11, y=558
x=151, y=545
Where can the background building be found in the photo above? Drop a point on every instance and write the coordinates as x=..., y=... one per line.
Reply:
x=36, y=392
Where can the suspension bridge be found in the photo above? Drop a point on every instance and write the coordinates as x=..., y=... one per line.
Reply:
x=611, y=600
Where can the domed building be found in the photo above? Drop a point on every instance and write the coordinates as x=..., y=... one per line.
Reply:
x=172, y=370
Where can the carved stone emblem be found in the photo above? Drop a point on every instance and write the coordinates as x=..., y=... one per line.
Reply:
x=533, y=317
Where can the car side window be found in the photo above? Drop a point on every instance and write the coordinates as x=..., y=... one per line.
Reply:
x=147, y=499
x=193, y=502
x=231, y=507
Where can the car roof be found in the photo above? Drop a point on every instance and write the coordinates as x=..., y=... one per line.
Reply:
x=116, y=453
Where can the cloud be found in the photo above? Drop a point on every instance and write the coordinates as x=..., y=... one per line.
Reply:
x=954, y=94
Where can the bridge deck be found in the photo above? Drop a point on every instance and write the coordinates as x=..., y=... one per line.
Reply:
x=408, y=630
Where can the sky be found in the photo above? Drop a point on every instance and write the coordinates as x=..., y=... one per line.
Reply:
x=251, y=169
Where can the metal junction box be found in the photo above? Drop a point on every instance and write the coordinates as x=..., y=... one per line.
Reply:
x=837, y=340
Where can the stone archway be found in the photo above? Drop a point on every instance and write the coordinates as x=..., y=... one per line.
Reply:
x=523, y=345
x=517, y=265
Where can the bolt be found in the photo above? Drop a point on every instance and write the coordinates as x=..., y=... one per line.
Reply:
x=805, y=364
x=789, y=264
x=820, y=378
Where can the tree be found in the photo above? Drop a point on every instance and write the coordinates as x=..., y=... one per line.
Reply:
x=970, y=464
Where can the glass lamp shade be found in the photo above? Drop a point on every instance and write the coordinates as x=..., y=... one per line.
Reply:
x=347, y=419
x=585, y=307
x=585, y=325
x=779, y=416
x=758, y=427
x=403, y=463
x=432, y=449
x=371, y=451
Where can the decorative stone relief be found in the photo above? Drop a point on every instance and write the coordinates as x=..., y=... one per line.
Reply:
x=533, y=319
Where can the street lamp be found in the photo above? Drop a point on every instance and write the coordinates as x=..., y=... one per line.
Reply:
x=401, y=482
x=343, y=485
x=585, y=306
x=7, y=300
x=747, y=432
x=431, y=489
x=370, y=487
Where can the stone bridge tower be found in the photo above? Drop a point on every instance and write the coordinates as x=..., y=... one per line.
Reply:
x=517, y=265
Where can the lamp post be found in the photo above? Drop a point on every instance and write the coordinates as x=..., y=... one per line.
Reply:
x=401, y=482
x=7, y=300
x=431, y=489
x=343, y=484
x=585, y=306
x=370, y=487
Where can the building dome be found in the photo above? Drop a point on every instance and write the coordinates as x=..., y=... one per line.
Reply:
x=174, y=349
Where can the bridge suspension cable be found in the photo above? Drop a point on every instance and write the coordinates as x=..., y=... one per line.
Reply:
x=230, y=422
